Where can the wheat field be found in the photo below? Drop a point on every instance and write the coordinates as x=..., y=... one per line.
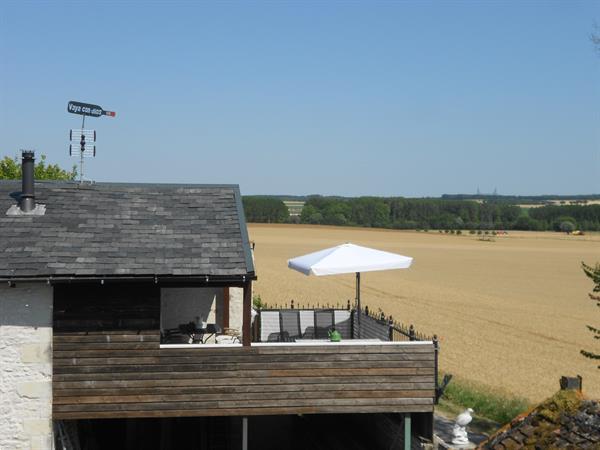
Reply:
x=510, y=314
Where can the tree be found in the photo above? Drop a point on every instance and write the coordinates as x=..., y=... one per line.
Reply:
x=567, y=227
x=307, y=212
x=10, y=169
x=526, y=223
x=594, y=274
x=265, y=210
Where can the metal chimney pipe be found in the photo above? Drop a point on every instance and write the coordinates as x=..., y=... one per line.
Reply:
x=27, y=191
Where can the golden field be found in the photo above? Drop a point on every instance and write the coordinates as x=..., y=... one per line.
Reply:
x=510, y=314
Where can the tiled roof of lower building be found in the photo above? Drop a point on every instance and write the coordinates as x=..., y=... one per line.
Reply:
x=566, y=420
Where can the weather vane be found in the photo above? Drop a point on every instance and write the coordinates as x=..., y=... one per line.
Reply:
x=85, y=138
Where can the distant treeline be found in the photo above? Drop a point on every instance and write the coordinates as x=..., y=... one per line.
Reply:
x=524, y=199
x=402, y=213
x=495, y=198
x=261, y=209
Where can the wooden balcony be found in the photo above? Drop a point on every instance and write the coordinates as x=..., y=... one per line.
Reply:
x=125, y=374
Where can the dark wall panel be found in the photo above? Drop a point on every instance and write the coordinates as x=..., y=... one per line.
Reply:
x=106, y=307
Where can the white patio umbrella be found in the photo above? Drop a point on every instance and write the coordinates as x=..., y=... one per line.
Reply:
x=348, y=258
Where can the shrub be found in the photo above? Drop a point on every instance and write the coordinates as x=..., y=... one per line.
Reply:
x=458, y=232
x=257, y=302
x=471, y=231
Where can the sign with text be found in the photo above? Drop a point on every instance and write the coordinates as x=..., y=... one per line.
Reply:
x=87, y=109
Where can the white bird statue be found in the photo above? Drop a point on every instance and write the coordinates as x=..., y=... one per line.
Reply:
x=464, y=418
x=459, y=431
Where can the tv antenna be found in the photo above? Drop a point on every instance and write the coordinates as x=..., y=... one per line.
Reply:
x=85, y=139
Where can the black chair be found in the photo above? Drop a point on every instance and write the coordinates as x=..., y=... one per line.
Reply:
x=290, y=325
x=323, y=323
x=173, y=336
x=274, y=337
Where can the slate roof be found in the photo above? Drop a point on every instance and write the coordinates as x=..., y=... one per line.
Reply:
x=125, y=230
x=566, y=420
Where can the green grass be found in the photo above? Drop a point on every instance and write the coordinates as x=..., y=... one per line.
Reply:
x=488, y=403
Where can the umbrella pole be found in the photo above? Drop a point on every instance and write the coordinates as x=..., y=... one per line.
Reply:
x=358, y=300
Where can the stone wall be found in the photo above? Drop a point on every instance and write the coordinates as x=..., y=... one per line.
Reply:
x=236, y=310
x=26, y=367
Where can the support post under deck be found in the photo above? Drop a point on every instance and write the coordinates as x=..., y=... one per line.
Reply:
x=407, y=431
x=244, y=433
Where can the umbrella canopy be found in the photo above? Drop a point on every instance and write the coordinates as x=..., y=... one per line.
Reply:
x=348, y=258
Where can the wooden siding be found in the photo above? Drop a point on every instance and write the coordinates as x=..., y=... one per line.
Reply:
x=127, y=374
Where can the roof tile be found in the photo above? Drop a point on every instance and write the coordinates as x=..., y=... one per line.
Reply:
x=116, y=229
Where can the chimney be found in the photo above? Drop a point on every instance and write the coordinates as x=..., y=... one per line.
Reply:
x=571, y=383
x=27, y=202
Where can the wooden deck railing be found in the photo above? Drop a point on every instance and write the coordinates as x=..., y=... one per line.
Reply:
x=127, y=374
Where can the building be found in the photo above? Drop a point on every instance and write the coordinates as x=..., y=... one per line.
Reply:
x=126, y=322
x=565, y=420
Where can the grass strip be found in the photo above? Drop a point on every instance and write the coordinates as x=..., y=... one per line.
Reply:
x=488, y=403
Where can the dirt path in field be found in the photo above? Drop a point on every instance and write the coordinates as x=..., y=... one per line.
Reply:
x=510, y=313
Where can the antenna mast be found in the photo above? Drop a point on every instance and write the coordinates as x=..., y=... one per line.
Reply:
x=85, y=138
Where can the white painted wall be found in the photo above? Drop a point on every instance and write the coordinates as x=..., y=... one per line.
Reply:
x=183, y=305
x=26, y=367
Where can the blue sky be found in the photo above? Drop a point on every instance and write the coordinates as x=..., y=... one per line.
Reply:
x=345, y=98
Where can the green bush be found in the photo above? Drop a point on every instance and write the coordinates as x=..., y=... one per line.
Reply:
x=257, y=302
x=458, y=232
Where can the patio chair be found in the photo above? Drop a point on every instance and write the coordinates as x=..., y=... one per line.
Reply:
x=229, y=336
x=307, y=323
x=290, y=325
x=270, y=326
x=174, y=336
x=323, y=323
x=342, y=323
